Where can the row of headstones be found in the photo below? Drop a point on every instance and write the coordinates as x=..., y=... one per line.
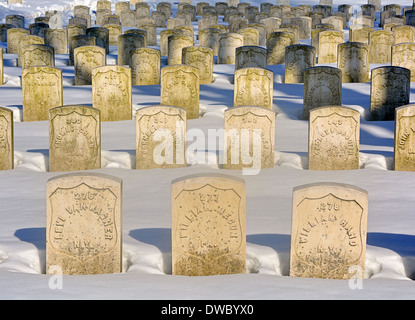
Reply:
x=84, y=229
x=248, y=138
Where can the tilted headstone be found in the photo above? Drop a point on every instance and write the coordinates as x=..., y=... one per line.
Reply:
x=145, y=64
x=112, y=92
x=253, y=86
x=180, y=88
x=389, y=89
x=74, y=138
x=249, y=138
x=160, y=137
x=175, y=44
x=404, y=144
x=328, y=44
x=276, y=44
x=353, y=61
x=84, y=226
x=228, y=42
x=329, y=229
x=87, y=58
x=6, y=139
x=333, y=139
x=42, y=90
x=250, y=57
x=201, y=58
x=298, y=57
x=208, y=225
x=126, y=43
x=322, y=87
x=37, y=55
x=403, y=55
x=57, y=39
x=380, y=45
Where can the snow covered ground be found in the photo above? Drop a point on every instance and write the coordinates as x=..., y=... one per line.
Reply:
x=390, y=258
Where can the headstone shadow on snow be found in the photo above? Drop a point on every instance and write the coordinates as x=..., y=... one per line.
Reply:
x=37, y=237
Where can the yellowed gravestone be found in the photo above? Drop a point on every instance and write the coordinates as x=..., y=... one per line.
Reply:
x=380, y=45
x=145, y=66
x=87, y=58
x=126, y=43
x=26, y=40
x=329, y=228
x=334, y=135
x=13, y=36
x=249, y=138
x=201, y=58
x=112, y=92
x=253, y=86
x=403, y=55
x=180, y=88
x=37, y=55
x=175, y=44
x=208, y=225
x=327, y=45
x=353, y=61
x=74, y=138
x=276, y=44
x=404, y=146
x=83, y=229
x=6, y=139
x=160, y=137
x=298, y=57
x=42, y=90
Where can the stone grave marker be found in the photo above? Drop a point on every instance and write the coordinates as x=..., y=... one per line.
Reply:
x=83, y=224
x=389, y=89
x=101, y=35
x=164, y=35
x=15, y=19
x=57, y=39
x=201, y=58
x=25, y=41
x=403, y=55
x=175, y=44
x=250, y=57
x=13, y=36
x=180, y=88
x=209, y=37
x=360, y=34
x=145, y=64
x=74, y=138
x=228, y=42
x=126, y=43
x=298, y=57
x=353, y=61
x=160, y=137
x=250, y=36
x=404, y=140
x=322, y=87
x=6, y=139
x=112, y=92
x=37, y=55
x=87, y=58
x=42, y=90
x=404, y=34
x=249, y=138
x=333, y=140
x=79, y=41
x=328, y=44
x=208, y=225
x=380, y=45
x=115, y=30
x=253, y=86
x=276, y=44
x=329, y=229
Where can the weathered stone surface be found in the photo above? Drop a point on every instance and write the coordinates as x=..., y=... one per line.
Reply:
x=164, y=35
x=115, y=30
x=327, y=45
x=37, y=55
x=333, y=140
x=6, y=139
x=249, y=138
x=380, y=45
x=208, y=225
x=329, y=229
x=127, y=43
x=57, y=39
x=15, y=19
x=209, y=37
x=42, y=90
x=360, y=34
x=250, y=36
x=160, y=137
x=389, y=89
x=276, y=44
x=228, y=42
x=404, y=145
x=298, y=57
x=25, y=41
x=404, y=34
x=79, y=41
x=403, y=55
x=83, y=227
x=101, y=35
x=175, y=45
x=353, y=61
x=253, y=86
x=250, y=57
x=322, y=87
x=180, y=88
x=145, y=64
x=201, y=58
x=87, y=58
x=112, y=92
x=74, y=138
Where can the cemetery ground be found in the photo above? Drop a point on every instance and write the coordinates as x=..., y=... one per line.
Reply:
x=146, y=196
